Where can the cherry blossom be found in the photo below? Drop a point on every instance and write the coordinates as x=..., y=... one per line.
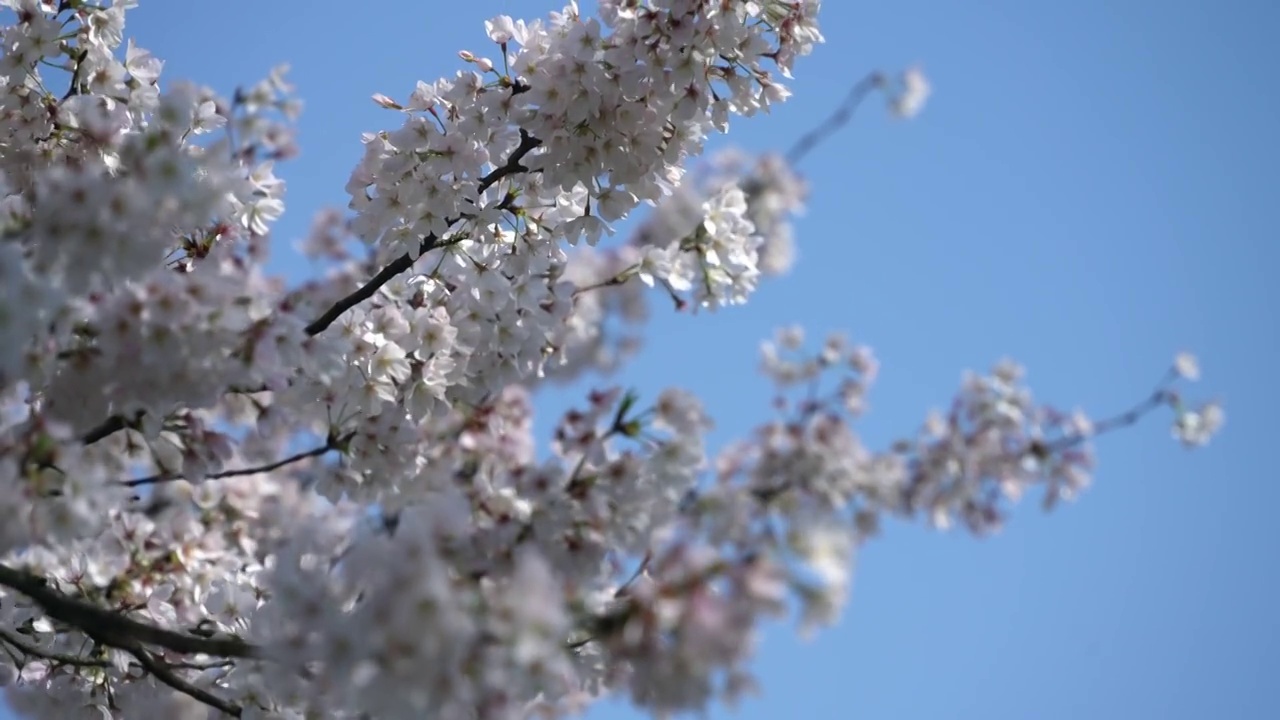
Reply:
x=228, y=496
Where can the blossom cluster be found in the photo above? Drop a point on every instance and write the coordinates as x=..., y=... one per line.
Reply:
x=224, y=496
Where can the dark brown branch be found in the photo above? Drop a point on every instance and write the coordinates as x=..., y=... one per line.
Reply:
x=366, y=291
x=334, y=443
x=112, y=628
x=110, y=426
x=614, y=281
x=401, y=264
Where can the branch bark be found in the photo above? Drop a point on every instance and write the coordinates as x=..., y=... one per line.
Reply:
x=111, y=628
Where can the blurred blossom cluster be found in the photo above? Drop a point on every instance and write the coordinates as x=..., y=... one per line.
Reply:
x=226, y=496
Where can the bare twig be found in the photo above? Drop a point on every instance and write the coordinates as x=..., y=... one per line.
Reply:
x=837, y=119
x=1159, y=396
x=334, y=443
x=614, y=281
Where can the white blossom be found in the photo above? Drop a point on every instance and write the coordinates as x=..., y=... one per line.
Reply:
x=224, y=494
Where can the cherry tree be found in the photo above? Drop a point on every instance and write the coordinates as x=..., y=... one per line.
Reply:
x=226, y=496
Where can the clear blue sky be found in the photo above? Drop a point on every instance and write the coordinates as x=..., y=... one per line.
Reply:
x=1092, y=188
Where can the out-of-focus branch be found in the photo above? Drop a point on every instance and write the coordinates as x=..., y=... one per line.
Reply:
x=836, y=120
x=108, y=427
x=1158, y=397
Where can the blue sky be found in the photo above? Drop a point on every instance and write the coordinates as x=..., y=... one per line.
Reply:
x=1091, y=189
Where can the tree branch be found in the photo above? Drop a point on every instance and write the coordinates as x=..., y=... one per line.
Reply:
x=404, y=262
x=165, y=674
x=110, y=426
x=111, y=628
x=1158, y=397
x=334, y=443
x=837, y=119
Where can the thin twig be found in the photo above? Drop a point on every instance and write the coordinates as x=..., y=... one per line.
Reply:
x=838, y=119
x=19, y=643
x=74, y=88
x=333, y=443
x=165, y=674
x=614, y=281
x=1158, y=397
